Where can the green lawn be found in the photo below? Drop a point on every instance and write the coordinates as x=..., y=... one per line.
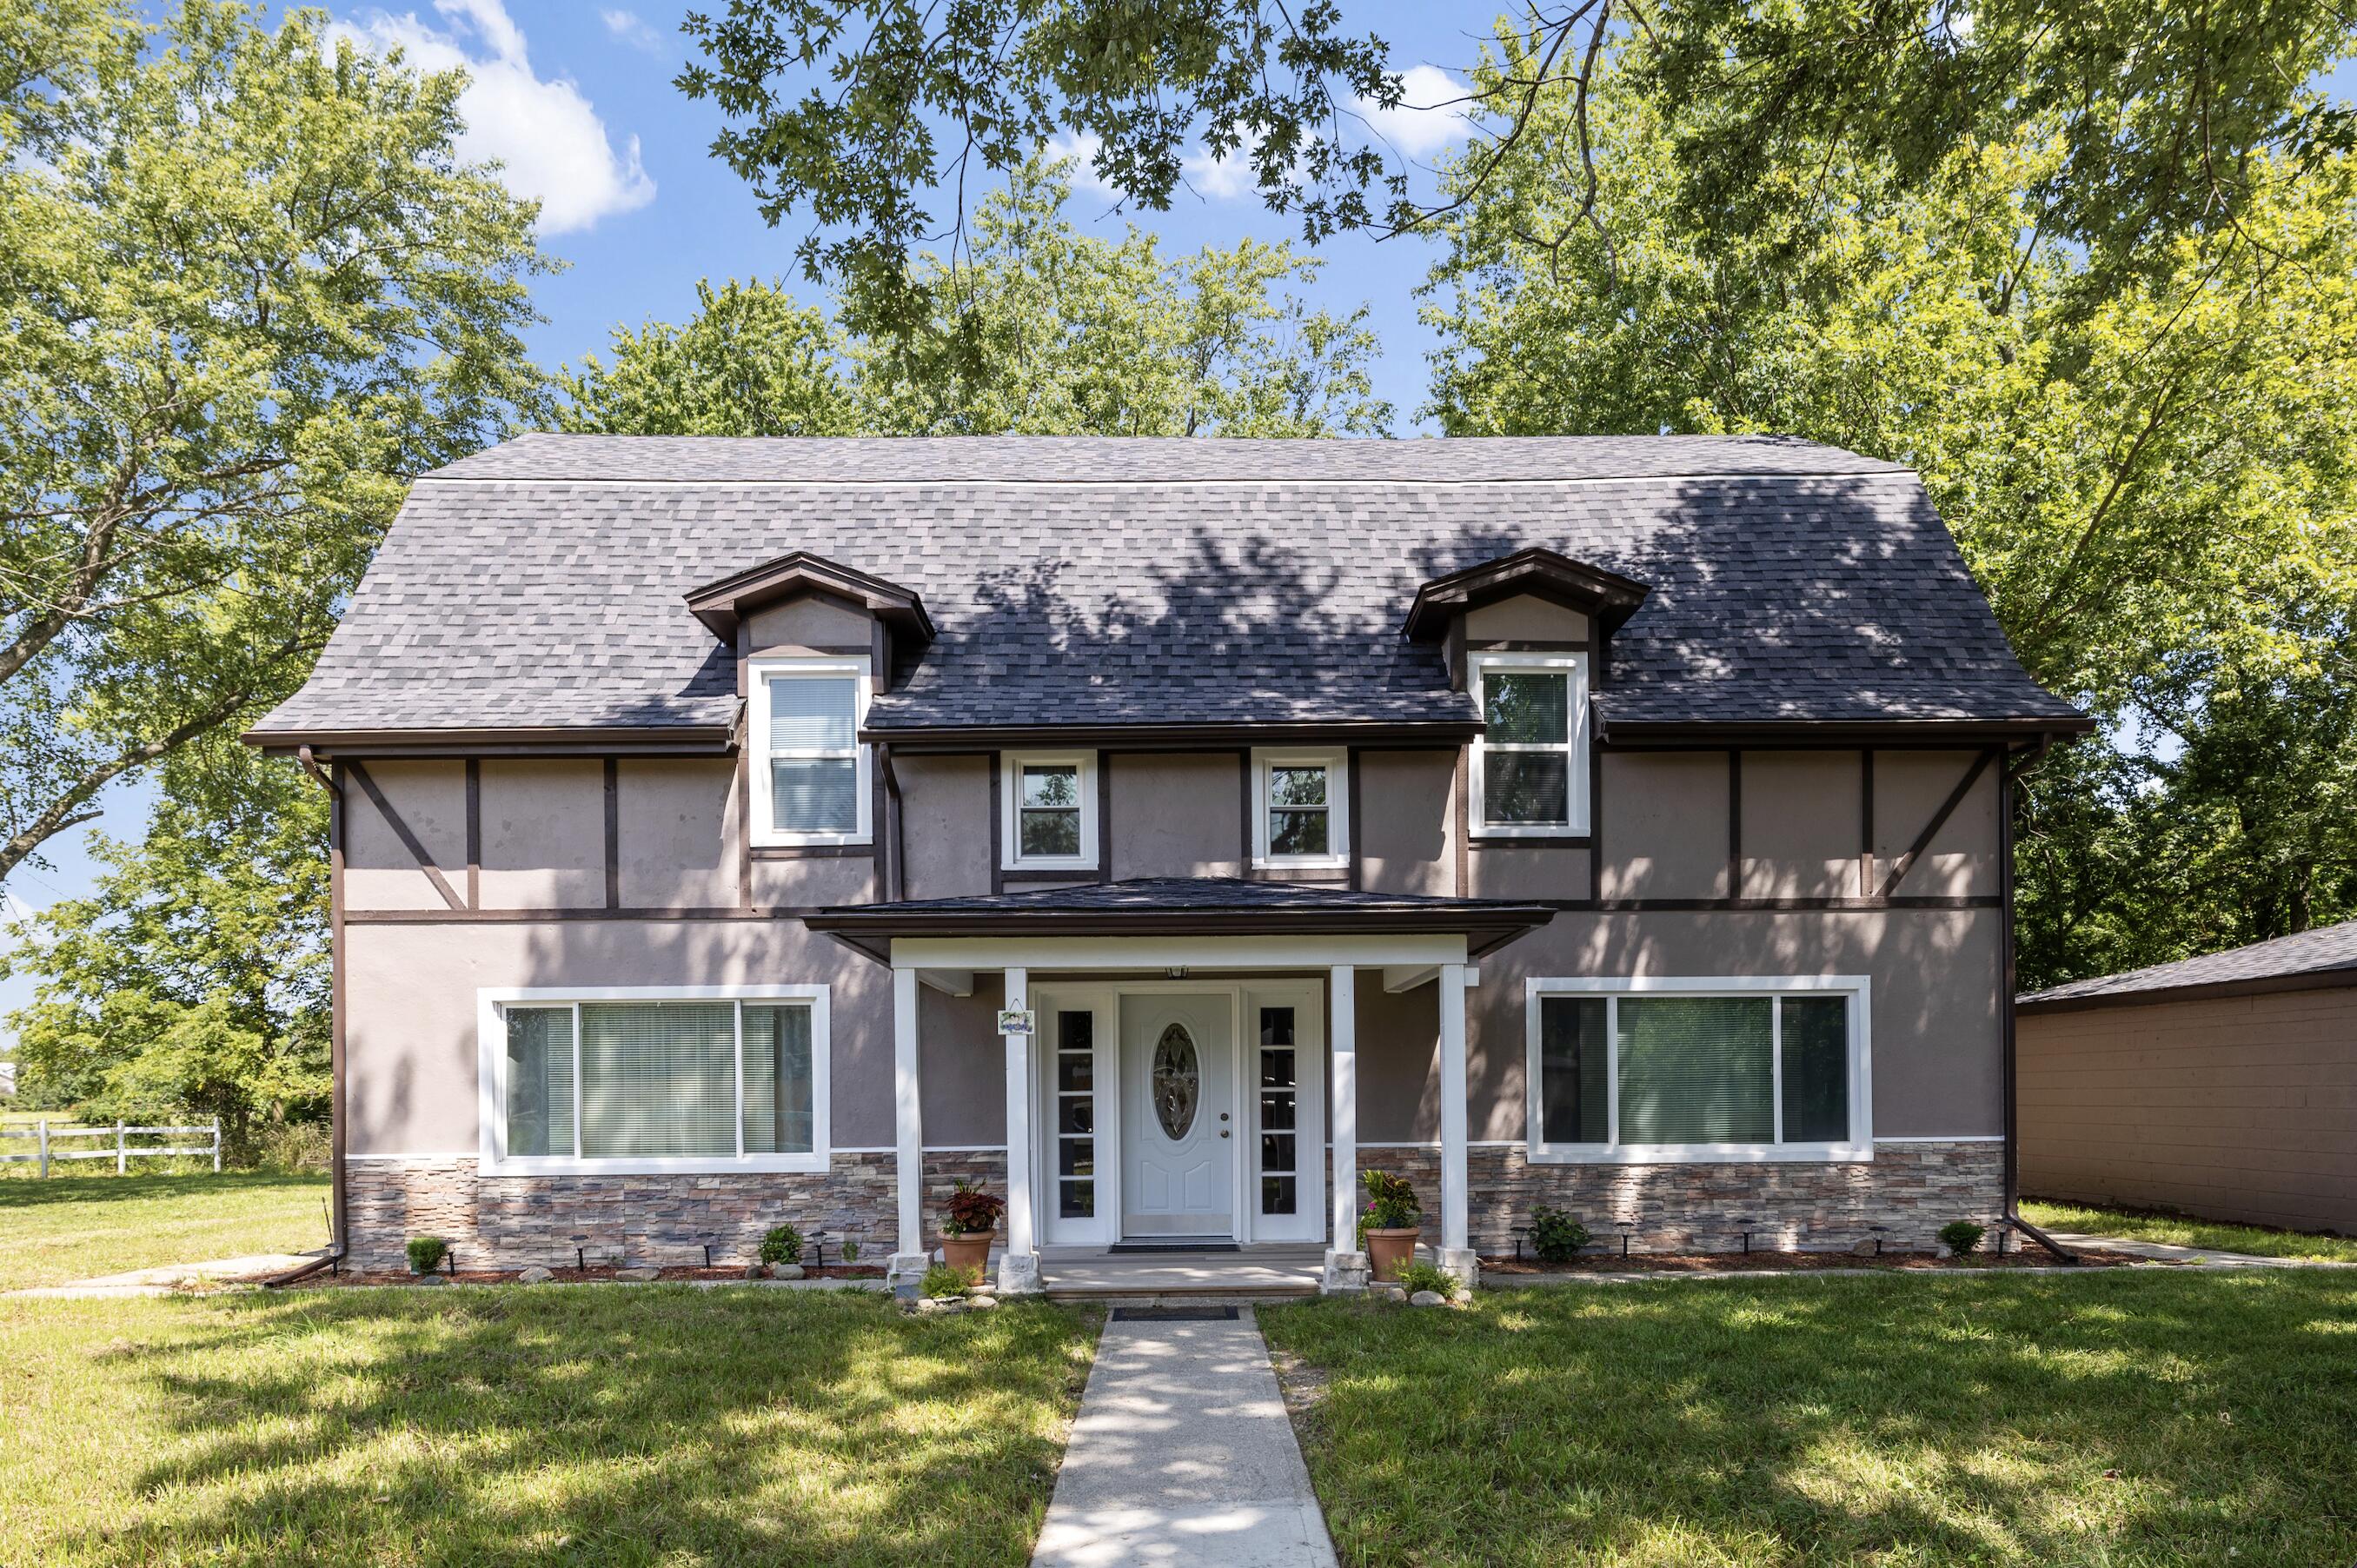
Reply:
x=609, y=1424
x=70, y=1227
x=2183, y=1231
x=2144, y=1419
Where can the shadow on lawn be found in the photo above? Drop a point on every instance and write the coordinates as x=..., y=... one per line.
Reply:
x=603, y=1425
x=1943, y=1421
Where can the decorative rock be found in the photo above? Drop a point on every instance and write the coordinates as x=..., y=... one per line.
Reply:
x=432, y=1280
x=753, y=1271
x=978, y=1303
x=1428, y=1298
x=786, y=1271
x=932, y=1304
x=984, y=1289
x=637, y=1276
x=1862, y=1250
x=536, y=1275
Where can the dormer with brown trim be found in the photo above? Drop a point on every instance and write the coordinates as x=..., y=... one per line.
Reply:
x=1534, y=598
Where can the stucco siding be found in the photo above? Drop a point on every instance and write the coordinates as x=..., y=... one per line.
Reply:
x=1177, y=814
x=1407, y=822
x=543, y=833
x=2238, y=1108
x=810, y=622
x=1526, y=618
x=944, y=824
x=677, y=823
x=1662, y=824
x=1961, y=858
x=1802, y=824
x=378, y=871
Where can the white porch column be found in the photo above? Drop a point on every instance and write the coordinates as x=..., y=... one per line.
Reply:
x=1346, y=1265
x=1457, y=1254
x=1018, y=1265
x=910, y=1254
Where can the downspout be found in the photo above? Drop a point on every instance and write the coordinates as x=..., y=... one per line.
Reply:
x=895, y=872
x=2012, y=1207
x=336, y=1118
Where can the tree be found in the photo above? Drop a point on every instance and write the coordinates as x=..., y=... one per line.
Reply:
x=2146, y=459
x=194, y=980
x=1040, y=329
x=248, y=290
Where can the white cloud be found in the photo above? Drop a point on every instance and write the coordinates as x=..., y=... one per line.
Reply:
x=1223, y=178
x=1079, y=150
x=1427, y=117
x=631, y=29
x=548, y=138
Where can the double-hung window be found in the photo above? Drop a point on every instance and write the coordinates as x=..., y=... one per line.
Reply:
x=686, y=1078
x=1530, y=767
x=1049, y=820
x=1661, y=1070
x=1302, y=813
x=812, y=781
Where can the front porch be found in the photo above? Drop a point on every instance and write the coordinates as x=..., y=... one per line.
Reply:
x=1181, y=1071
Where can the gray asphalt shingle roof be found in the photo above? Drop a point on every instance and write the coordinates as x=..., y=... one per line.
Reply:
x=1106, y=581
x=2323, y=953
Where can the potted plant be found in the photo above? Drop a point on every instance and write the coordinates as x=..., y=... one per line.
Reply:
x=1387, y=1224
x=967, y=1221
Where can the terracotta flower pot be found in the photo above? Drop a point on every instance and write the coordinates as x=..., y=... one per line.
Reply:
x=1389, y=1252
x=970, y=1253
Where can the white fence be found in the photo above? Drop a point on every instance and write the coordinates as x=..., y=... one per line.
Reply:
x=122, y=1154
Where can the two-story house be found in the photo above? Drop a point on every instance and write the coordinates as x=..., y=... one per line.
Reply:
x=1161, y=833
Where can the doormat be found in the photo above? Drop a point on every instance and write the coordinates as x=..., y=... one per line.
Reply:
x=1174, y=1247
x=1174, y=1315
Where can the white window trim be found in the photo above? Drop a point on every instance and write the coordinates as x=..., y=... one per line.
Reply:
x=491, y=1071
x=1010, y=808
x=1336, y=761
x=766, y=834
x=1575, y=746
x=1859, y=1145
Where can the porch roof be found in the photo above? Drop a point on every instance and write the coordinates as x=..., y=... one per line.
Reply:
x=1193, y=906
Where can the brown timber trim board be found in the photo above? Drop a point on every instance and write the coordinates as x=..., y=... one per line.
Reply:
x=1583, y=840
x=339, y=961
x=677, y=740
x=613, y=834
x=1172, y=737
x=998, y=851
x=743, y=829
x=813, y=852
x=1523, y=645
x=1245, y=784
x=474, y=833
x=1351, y=799
x=1906, y=863
x=1866, y=822
x=1461, y=790
x=409, y=840
x=1105, y=817
x=1735, y=824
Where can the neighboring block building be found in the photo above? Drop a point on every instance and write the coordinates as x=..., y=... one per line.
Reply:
x=2224, y=1086
x=1162, y=833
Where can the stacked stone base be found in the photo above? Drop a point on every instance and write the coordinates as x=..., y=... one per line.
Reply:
x=1901, y=1197
x=513, y=1222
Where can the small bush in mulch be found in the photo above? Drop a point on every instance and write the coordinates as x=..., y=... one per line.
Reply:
x=1739, y=1262
x=593, y=1275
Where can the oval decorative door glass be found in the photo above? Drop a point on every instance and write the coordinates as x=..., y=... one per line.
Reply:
x=1177, y=1081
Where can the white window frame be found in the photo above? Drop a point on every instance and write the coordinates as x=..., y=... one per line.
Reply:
x=1010, y=810
x=491, y=1073
x=1574, y=747
x=1859, y=1145
x=1336, y=761
x=759, y=672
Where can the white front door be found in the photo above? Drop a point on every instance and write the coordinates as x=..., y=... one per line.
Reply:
x=1178, y=1126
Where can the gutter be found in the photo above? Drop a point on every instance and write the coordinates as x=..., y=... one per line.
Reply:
x=2008, y=776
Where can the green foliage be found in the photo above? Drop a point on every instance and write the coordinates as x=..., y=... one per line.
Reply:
x=250, y=289
x=1391, y=1202
x=1037, y=329
x=1555, y=1236
x=193, y=981
x=1962, y=1236
x=850, y=1252
x=425, y=1253
x=1421, y=1274
x=942, y=1281
x=783, y=1244
x=971, y=1211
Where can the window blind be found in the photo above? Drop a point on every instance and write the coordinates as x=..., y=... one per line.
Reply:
x=812, y=713
x=1575, y=1070
x=540, y=1081
x=1816, y=1070
x=658, y=1080
x=1696, y=1069
x=777, y=1113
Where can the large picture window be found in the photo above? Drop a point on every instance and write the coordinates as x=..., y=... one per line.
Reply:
x=1675, y=1070
x=811, y=784
x=1529, y=767
x=677, y=1079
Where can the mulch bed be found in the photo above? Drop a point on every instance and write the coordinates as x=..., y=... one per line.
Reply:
x=1739, y=1262
x=595, y=1275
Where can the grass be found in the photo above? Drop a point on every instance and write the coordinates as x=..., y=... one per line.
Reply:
x=2184, y=1231
x=70, y=1227
x=2142, y=1419
x=517, y=1424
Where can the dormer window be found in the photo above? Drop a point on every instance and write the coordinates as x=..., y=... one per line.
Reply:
x=1049, y=820
x=811, y=784
x=1529, y=768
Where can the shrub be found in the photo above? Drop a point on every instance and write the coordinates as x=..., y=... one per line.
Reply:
x=1419, y=1274
x=1962, y=1236
x=1391, y=1202
x=971, y=1212
x=850, y=1252
x=426, y=1252
x=942, y=1280
x=1555, y=1236
x=783, y=1244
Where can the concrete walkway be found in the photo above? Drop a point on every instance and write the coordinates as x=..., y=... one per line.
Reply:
x=175, y=1279
x=2208, y=1257
x=1182, y=1454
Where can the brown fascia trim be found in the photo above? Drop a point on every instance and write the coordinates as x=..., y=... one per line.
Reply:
x=2262, y=985
x=1609, y=596
x=721, y=604
x=669, y=740
x=1146, y=736
x=1717, y=735
x=870, y=931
